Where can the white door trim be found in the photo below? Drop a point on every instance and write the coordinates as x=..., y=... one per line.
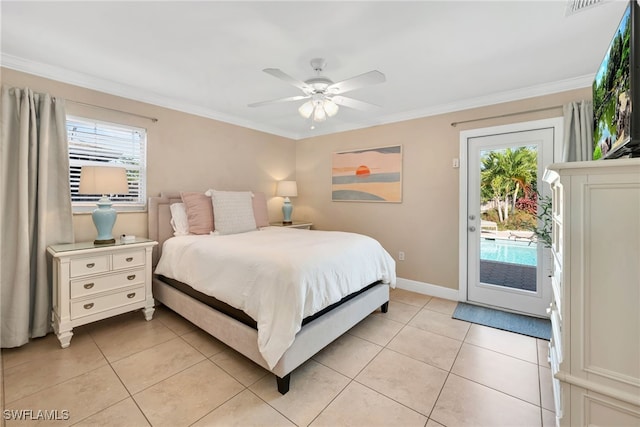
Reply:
x=557, y=123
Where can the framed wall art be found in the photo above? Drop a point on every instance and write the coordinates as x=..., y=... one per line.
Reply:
x=367, y=175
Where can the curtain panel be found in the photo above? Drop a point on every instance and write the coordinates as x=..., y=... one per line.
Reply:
x=35, y=209
x=578, y=131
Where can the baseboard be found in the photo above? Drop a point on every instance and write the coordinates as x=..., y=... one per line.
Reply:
x=427, y=289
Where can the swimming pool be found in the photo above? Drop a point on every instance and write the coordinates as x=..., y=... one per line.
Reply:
x=509, y=251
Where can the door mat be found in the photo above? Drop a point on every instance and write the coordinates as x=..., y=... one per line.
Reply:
x=512, y=322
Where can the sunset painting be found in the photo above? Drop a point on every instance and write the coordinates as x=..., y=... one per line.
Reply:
x=368, y=175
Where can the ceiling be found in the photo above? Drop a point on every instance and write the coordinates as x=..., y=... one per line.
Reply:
x=207, y=58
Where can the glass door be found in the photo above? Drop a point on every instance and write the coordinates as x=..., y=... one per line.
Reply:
x=507, y=266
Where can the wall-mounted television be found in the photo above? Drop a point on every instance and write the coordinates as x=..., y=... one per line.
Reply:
x=616, y=92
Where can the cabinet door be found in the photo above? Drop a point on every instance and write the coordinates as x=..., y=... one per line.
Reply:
x=593, y=409
x=605, y=280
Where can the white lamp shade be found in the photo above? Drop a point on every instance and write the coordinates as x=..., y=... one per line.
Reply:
x=103, y=180
x=330, y=107
x=319, y=115
x=287, y=189
x=306, y=109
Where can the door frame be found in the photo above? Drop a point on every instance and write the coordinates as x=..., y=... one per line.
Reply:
x=557, y=123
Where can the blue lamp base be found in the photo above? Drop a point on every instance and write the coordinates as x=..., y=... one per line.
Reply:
x=287, y=208
x=104, y=218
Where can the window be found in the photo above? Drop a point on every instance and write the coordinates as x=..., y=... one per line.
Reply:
x=100, y=144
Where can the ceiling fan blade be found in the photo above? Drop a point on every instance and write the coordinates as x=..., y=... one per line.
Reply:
x=287, y=78
x=354, y=103
x=278, y=101
x=366, y=79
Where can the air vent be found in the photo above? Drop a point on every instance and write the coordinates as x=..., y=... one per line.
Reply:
x=575, y=6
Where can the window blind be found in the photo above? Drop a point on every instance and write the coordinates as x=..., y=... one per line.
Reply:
x=107, y=144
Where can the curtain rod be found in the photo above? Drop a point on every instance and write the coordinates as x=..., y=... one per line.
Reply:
x=153, y=119
x=454, y=124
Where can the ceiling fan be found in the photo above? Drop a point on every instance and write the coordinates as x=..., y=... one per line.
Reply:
x=324, y=96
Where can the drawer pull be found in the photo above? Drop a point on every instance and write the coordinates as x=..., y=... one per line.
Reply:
x=88, y=306
x=129, y=259
x=91, y=265
x=131, y=295
x=88, y=285
x=131, y=277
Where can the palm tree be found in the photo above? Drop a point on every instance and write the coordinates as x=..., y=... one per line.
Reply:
x=492, y=180
x=506, y=173
x=521, y=169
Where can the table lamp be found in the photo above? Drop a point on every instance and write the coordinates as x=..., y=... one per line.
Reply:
x=103, y=180
x=287, y=189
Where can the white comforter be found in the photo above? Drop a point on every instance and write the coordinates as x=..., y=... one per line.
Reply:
x=277, y=275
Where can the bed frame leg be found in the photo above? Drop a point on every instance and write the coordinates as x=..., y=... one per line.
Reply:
x=283, y=383
x=385, y=307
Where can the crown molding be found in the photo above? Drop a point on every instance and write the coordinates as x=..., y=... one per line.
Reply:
x=497, y=98
x=65, y=75
x=86, y=81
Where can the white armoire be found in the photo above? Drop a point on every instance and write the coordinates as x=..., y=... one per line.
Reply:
x=595, y=313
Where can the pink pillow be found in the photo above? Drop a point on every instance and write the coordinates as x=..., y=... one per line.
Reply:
x=260, y=212
x=199, y=212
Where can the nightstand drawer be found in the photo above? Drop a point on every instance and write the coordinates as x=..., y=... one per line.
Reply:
x=90, y=265
x=128, y=259
x=97, y=304
x=88, y=286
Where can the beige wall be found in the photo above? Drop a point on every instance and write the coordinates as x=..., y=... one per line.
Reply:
x=425, y=224
x=184, y=152
x=195, y=153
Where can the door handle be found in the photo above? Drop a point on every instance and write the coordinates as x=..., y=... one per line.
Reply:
x=472, y=228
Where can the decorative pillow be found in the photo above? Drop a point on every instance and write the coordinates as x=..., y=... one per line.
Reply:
x=260, y=212
x=233, y=211
x=199, y=212
x=179, y=220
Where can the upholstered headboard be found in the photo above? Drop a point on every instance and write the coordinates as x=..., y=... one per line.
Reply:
x=160, y=220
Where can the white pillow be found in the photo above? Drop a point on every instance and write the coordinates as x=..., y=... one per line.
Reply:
x=232, y=211
x=179, y=220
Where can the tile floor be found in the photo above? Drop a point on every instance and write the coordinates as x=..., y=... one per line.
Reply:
x=413, y=366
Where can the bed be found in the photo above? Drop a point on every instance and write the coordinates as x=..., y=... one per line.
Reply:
x=242, y=324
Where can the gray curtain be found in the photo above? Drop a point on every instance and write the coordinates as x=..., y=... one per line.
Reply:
x=578, y=131
x=35, y=209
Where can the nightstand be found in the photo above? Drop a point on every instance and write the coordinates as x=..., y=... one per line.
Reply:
x=92, y=282
x=295, y=224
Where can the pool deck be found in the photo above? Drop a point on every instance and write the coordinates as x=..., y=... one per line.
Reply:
x=513, y=276
x=513, y=235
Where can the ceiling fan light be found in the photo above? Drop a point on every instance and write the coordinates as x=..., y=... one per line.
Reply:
x=306, y=109
x=319, y=115
x=330, y=107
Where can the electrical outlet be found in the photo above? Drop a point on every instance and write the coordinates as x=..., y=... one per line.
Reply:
x=455, y=163
x=400, y=256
